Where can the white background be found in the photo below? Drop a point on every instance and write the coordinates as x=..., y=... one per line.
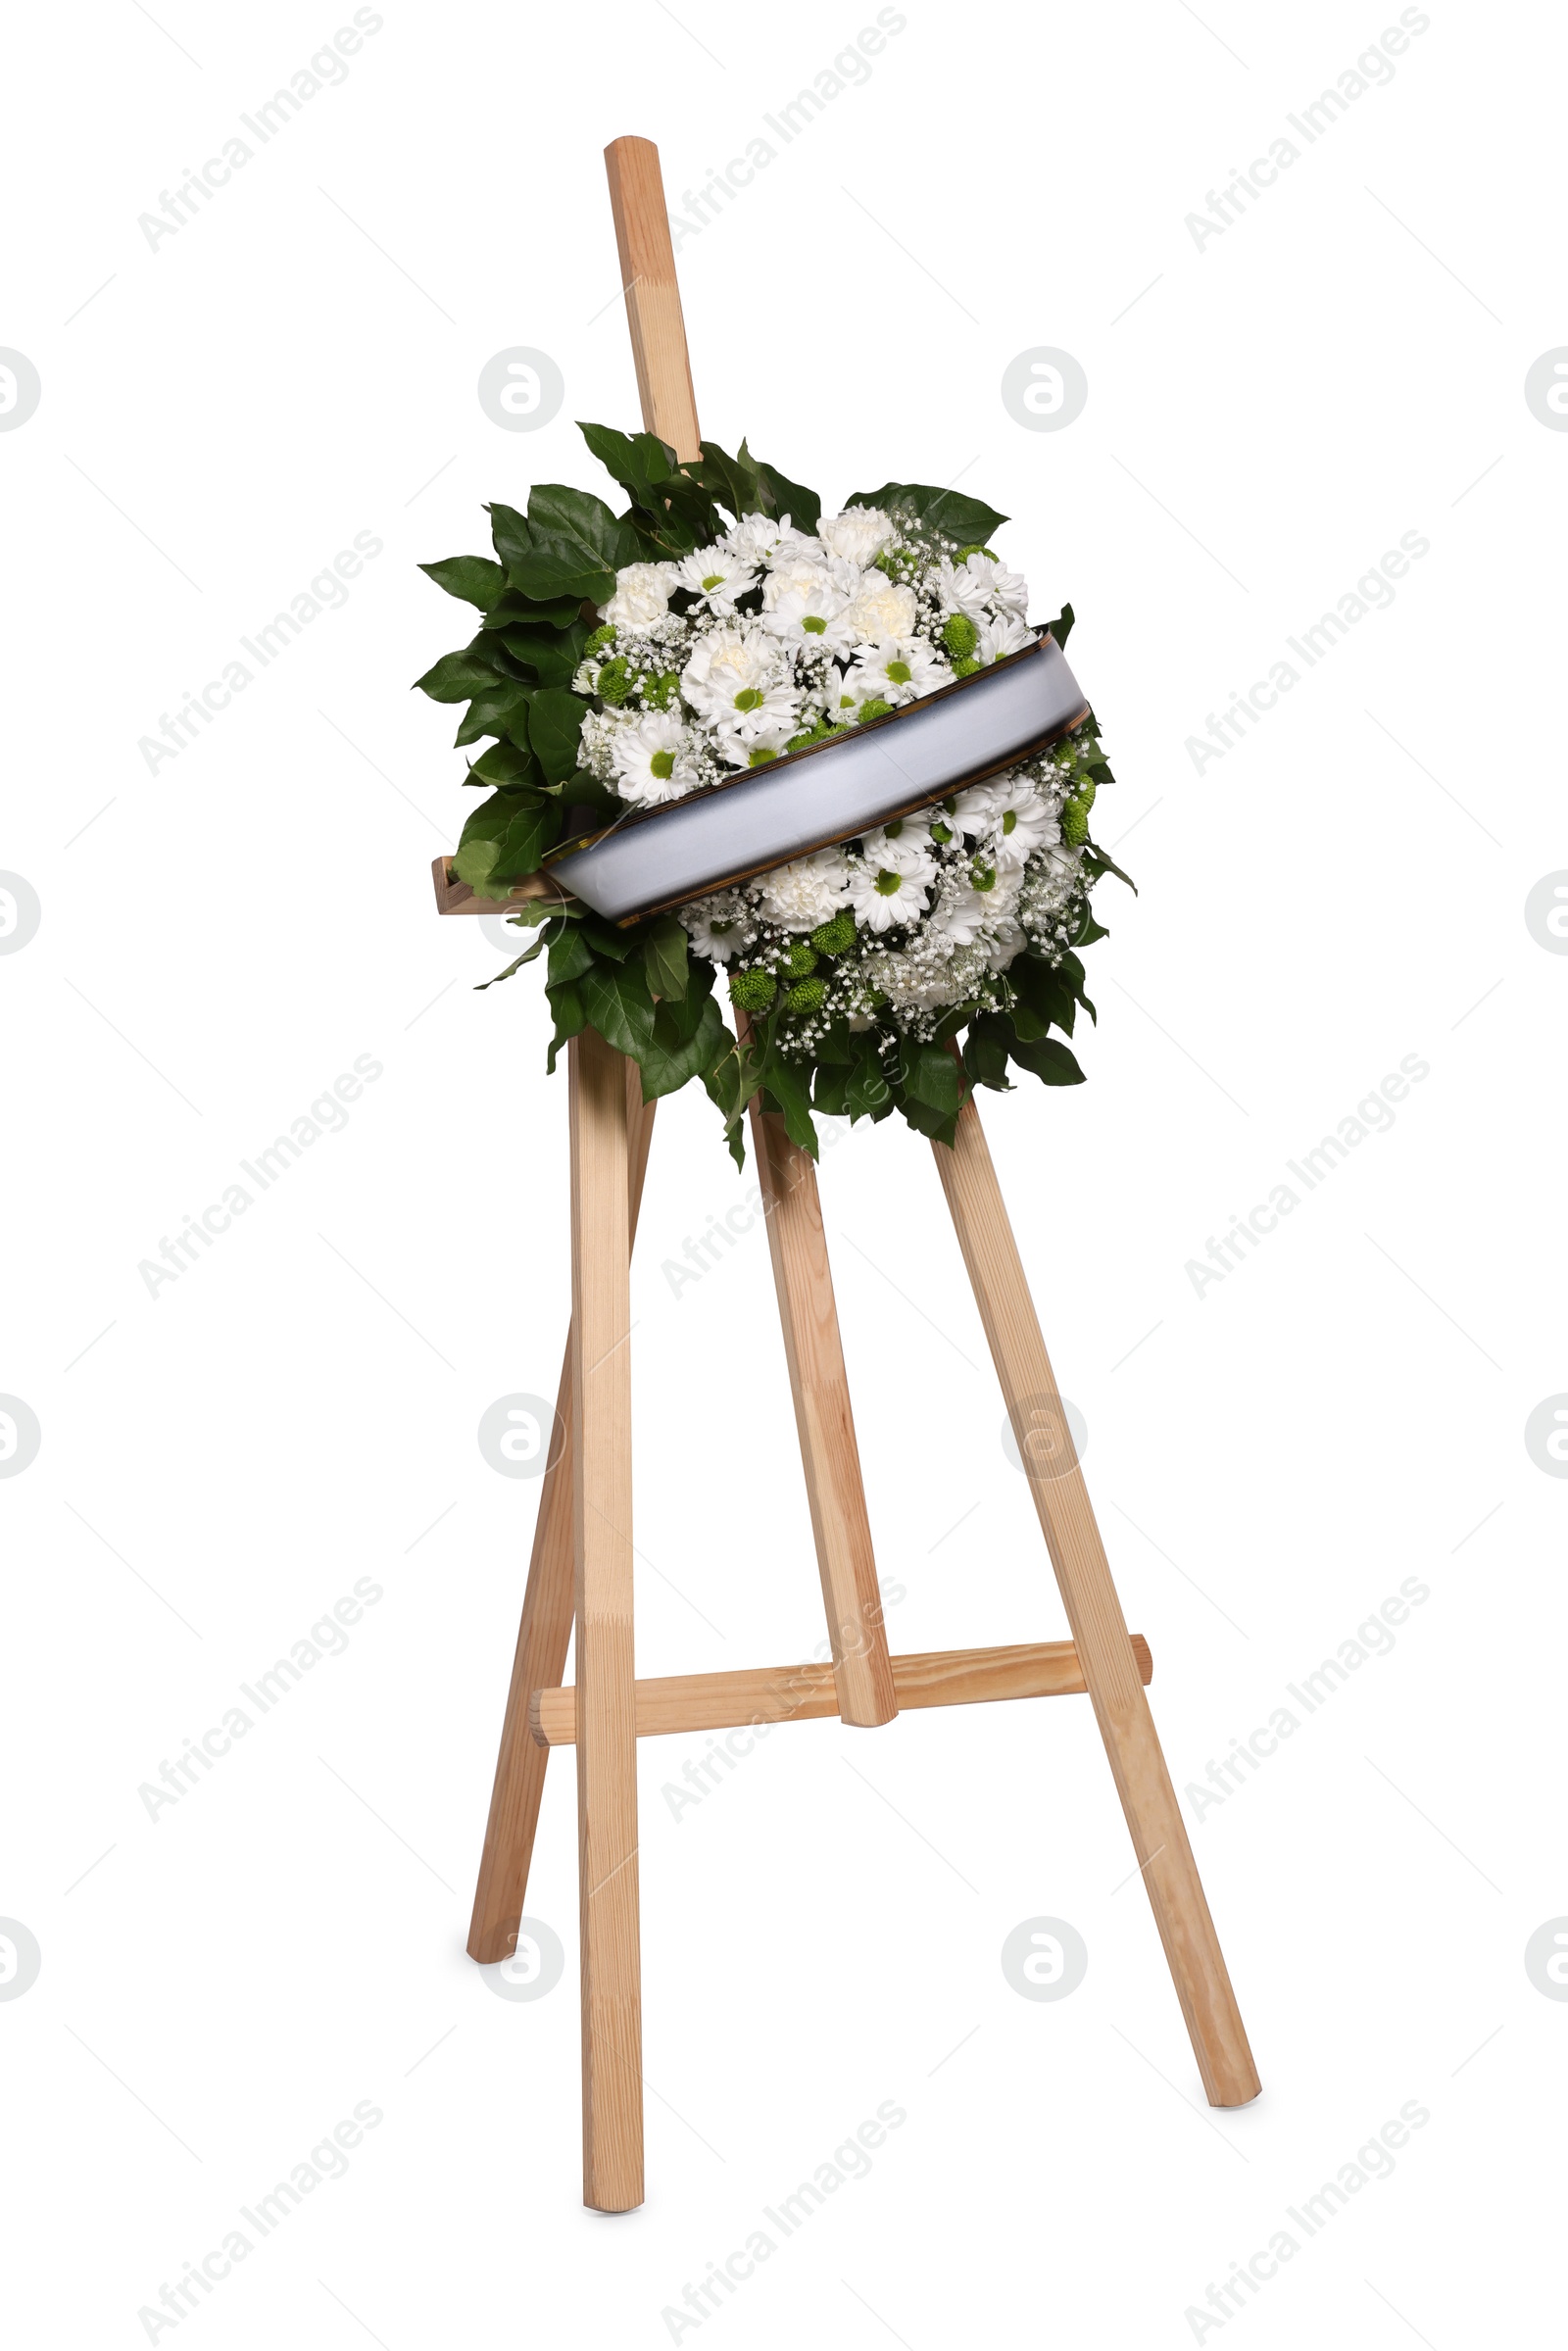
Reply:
x=218, y=1464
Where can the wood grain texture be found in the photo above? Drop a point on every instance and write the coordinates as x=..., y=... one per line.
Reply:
x=540, y=1660
x=653, y=296
x=602, y=1520
x=1094, y=1613
x=453, y=897
x=798, y=1694
x=826, y=1423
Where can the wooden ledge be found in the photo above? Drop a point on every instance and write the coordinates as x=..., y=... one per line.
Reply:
x=787, y=1693
x=453, y=897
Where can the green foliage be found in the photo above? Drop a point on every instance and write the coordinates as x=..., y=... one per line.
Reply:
x=474, y=577
x=948, y=514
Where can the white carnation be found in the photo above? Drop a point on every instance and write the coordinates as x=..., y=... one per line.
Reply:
x=883, y=608
x=810, y=891
x=859, y=534
x=642, y=596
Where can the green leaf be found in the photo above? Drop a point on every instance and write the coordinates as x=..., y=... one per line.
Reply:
x=785, y=497
x=509, y=534
x=932, y=1078
x=456, y=677
x=503, y=711
x=617, y=1003
x=639, y=462
x=985, y=1051
x=665, y=954
x=504, y=764
x=868, y=1094
x=948, y=513
x=1043, y=997
x=787, y=1082
x=687, y=1038
x=527, y=957
x=733, y=480
x=554, y=728
x=575, y=545
x=516, y=611
x=472, y=578
x=1050, y=1060
x=571, y=1017
x=554, y=659
x=570, y=956
x=504, y=840
x=1061, y=626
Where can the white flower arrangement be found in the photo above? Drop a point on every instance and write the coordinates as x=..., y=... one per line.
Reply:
x=624, y=661
x=773, y=638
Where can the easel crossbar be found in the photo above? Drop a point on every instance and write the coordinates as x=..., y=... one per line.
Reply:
x=795, y=1694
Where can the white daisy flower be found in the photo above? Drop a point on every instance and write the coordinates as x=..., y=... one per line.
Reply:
x=978, y=585
x=757, y=538
x=883, y=898
x=974, y=811
x=983, y=897
x=898, y=670
x=641, y=596
x=859, y=534
x=754, y=746
x=717, y=927
x=883, y=608
x=715, y=577
x=652, y=759
x=810, y=891
x=809, y=611
x=735, y=679
x=903, y=843
x=889, y=885
x=1020, y=823
x=1005, y=634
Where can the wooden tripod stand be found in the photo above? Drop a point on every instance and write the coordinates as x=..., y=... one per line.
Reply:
x=582, y=1567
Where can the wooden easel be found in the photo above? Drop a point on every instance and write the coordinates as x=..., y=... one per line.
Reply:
x=582, y=1567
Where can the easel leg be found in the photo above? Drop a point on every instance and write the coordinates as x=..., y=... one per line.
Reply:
x=861, y=1671
x=1094, y=1612
x=607, y=1726
x=540, y=1661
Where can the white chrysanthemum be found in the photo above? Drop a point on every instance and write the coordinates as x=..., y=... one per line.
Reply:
x=754, y=746
x=1020, y=823
x=996, y=638
x=641, y=596
x=810, y=891
x=883, y=608
x=884, y=896
x=838, y=703
x=1008, y=590
x=905, y=844
x=719, y=926
x=759, y=538
x=898, y=670
x=978, y=586
x=652, y=759
x=859, y=534
x=973, y=811
x=982, y=898
x=736, y=679
x=716, y=576
x=809, y=612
